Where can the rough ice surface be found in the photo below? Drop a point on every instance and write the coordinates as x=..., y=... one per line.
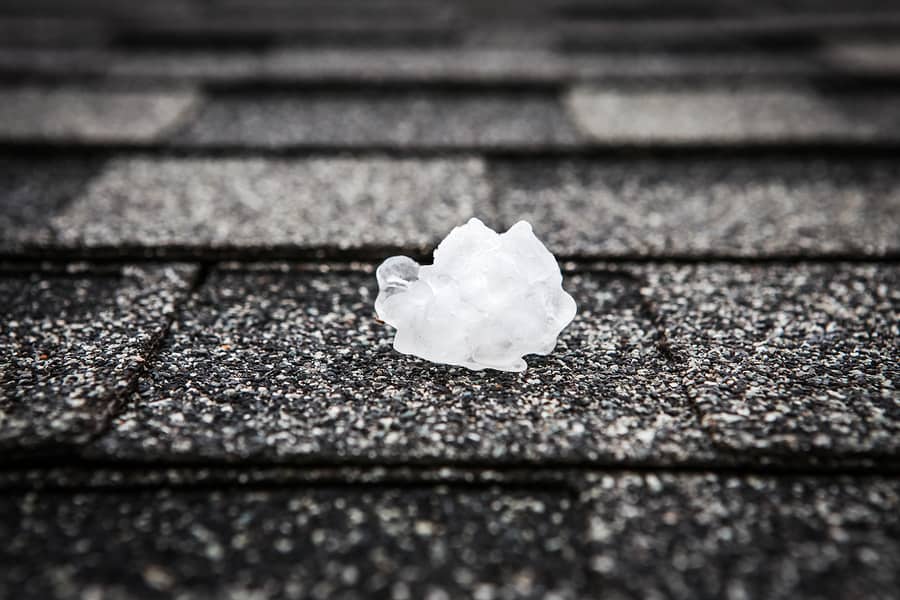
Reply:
x=488, y=299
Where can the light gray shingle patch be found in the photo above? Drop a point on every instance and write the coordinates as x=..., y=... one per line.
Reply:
x=240, y=203
x=721, y=116
x=510, y=65
x=72, y=343
x=788, y=359
x=395, y=119
x=90, y=115
x=720, y=536
x=293, y=366
x=697, y=207
x=864, y=57
x=424, y=65
x=32, y=191
x=674, y=67
x=413, y=542
x=328, y=65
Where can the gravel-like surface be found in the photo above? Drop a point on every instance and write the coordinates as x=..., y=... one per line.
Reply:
x=794, y=360
x=209, y=204
x=705, y=206
x=293, y=365
x=73, y=343
x=719, y=536
x=31, y=192
x=415, y=542
x=395, y=119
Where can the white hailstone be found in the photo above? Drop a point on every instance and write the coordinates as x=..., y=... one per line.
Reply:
x=488, y=299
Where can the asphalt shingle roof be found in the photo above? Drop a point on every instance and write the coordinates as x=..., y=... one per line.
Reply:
x=197, y=400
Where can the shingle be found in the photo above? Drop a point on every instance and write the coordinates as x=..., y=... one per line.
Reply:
x=32, y=191
x=732, y=116
x=532, y=64
x=53, y=62
x=43, y=31
x=413, y=542
x=189, y=65
x=255, y=30
x=870, y=57
x=290, y=65
x=215, y=204
x=677, y=67
x=72, y=344
x=734, y=31
x=720, y=536
x=90, y=115
x=426, y=65
x=393, y=119
x=292, y=365
x=788, y=360
x=705, y=206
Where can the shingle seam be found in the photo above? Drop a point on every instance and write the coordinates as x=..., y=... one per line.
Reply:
x=677, y=363
x=555, y=478
x=118, y=401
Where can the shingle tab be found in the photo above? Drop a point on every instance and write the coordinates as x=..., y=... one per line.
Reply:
x=720, y=536
x=730, y=116
x=414, y=542
x=32, y=191
x=784, y=360
x=214, y=204
x=72, y=344
x=705, y=206
x=293, y=365
x=90, y=115
x=392, y=119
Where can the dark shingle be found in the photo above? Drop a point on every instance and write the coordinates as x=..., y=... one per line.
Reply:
x=293, y=365
x=394, y=119
x=413, y=542
x=705, y=206
x=788, y=360
x=720, y=536
x=44, y=31
x=72, y=344
x=32, y=192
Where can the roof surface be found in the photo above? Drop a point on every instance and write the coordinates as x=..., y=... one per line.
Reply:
x=197, y=401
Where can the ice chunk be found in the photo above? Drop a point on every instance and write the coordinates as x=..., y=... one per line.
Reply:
x=488, y=299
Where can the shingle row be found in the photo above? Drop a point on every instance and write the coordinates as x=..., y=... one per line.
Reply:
x=519, y=120
x=478, y=64
x=628, y=535
x=715, y=364
x=602, y=207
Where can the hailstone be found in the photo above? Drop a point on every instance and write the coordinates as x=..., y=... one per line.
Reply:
x=488, y=299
